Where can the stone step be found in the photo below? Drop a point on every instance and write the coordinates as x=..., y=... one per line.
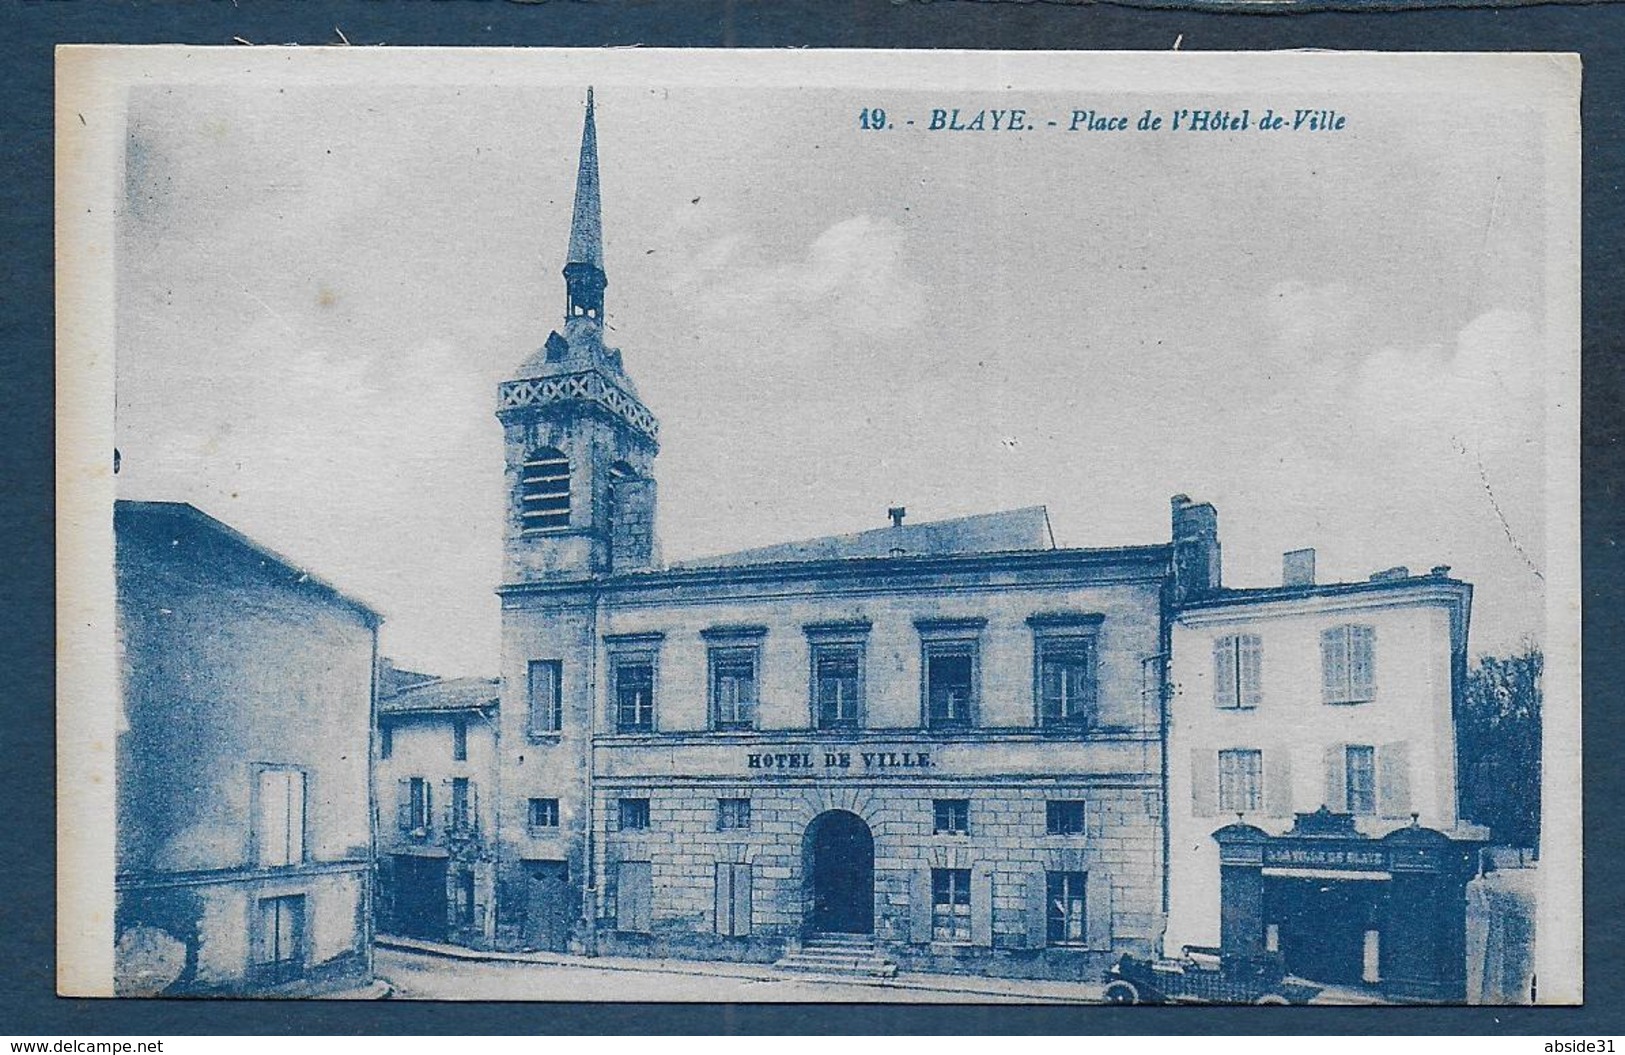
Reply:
x=842, y=940
x=867, y=967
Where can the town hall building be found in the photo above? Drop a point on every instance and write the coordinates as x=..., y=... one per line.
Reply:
x=926, y=746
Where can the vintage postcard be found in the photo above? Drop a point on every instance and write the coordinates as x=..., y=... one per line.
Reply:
x=819, y=526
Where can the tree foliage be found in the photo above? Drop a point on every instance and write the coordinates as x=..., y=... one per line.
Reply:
x=1498, y=735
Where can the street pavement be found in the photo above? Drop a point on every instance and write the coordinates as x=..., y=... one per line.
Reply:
x=416, y=974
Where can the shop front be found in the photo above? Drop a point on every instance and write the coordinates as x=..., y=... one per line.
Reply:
x=1342, y=908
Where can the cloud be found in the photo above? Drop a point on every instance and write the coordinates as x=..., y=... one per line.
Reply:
x=854, y=277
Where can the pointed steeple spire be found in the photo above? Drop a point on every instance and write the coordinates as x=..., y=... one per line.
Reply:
x=584, y=278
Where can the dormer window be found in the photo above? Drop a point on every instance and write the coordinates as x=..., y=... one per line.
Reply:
x=544, y=490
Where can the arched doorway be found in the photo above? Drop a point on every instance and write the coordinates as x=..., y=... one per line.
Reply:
x=838, y=869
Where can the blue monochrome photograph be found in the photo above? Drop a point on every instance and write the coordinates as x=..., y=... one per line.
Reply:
x=819, y=526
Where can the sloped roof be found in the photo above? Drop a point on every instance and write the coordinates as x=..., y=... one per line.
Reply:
x=442, y=694
x=1012, y=530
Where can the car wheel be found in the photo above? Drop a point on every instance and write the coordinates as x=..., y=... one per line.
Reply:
x=1121, y=992
x=1272, y=998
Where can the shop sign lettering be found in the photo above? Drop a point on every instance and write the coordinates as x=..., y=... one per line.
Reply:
x=1324, y=857
x=837, y=761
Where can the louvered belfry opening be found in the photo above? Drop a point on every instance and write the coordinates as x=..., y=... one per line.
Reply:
x=544, y=490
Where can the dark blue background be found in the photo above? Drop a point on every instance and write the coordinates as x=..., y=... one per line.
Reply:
x=27, y=856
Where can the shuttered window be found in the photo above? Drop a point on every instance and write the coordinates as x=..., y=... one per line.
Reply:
x=459, y=740
x=280, y=821
x=634, y=892
x=279, y=939
x=544, y=490
x=546, y=706
x=733, y=899
x=1348, y=664
x=1241, y=780
x=1067, y=922
x=464, y=811
x=1237, y=671
x=1360, y=779
x=950, y=905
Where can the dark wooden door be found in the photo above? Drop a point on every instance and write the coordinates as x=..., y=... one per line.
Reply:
x=551, y=909
x=843, y=874
x=420, y=897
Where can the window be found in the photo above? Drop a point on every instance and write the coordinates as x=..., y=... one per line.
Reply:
x=1064, y=817
x=1241, y=777
x=544, y=813
x=386, y=740
x=733, y=815
x=279, y=939
x=280, y=817
x=1065, y=916
x=634, y=815
x=950, y=684
x=634, y=696
x=1066, y=682
x=950, y=905
x=459, y=740
x=1360, y=779
x=546, y=705
x=733, y=688
x=462, y=804
x=952, y=816
x=1348, y=664
x=1237, y=659
x=837, y=686
x=544, y=490
x=418, y=813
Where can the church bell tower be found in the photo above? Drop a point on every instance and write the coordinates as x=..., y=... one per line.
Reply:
x=580, y=446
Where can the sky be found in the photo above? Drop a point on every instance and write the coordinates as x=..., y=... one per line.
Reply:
x=1338, y=339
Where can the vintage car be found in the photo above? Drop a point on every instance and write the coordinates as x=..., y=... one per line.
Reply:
x=1203, y=976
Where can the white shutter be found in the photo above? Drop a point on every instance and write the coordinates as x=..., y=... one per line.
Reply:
x=1394, y=780
x=1204, y=782
x=1278, y=782
x=1333, y=665
x=1224, y=672
x=1250, y=674
x=1337, y=792
x=919, y=906
x=1098, y=908
x=981, y=905
x=1362, y=662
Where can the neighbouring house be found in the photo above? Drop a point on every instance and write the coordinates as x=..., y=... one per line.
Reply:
x=435, y=790
x=1312, y=777
x=244, y=838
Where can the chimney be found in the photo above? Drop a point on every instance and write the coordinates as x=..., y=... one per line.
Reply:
x=1398, y=571
x=1298, y=568
x=897, y=513
x=1196, y=548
